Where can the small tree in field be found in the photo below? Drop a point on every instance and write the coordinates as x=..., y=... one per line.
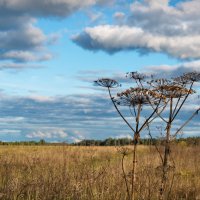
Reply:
x=166, y=97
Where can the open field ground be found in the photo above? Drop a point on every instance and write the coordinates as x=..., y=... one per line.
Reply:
x=93, y=173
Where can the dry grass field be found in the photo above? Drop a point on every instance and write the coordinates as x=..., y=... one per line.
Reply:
x=92, y=173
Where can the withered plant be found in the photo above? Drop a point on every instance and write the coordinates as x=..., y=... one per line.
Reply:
x=175, y=91
x=135, y=99
x=166, y=97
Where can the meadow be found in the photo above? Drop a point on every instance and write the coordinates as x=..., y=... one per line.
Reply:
x=93, y=173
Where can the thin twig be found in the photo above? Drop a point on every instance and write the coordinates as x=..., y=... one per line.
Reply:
x=119, y=111
x=133, y=114
x=155, y=144
x=147, y=120
x=176, y=105
x=176, y=113
x=193, y=115
x=124, y=174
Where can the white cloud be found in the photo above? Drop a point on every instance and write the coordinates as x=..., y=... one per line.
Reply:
x=18, y=66
x=77, y=136
x=26, y=56
x=58, y=134
x=47, y=8
x=11, y=119
x=41, y=98
x=124, y=136
x=94, y=16
x=48, y=134
x=20, y=39
x=119, y=16
x=115, y=38
x=152, y=26
x=9, y=131
x=169, y=71
x=26, y=37
x=24, y=43
x=64, y=119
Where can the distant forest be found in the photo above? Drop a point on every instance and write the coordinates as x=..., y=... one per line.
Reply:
x=111, y=142
x=142, y=141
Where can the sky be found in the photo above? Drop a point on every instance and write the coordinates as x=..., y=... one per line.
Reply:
x=51, y=52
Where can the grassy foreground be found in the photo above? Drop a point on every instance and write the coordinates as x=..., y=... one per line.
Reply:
x=92, y=173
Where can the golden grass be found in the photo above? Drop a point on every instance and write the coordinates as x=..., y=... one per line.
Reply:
x=92, y=173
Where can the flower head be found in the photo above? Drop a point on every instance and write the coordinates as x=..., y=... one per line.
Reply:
x=135, y=96
x=136, y=76
x=188, y=78
x=107, y=82
x=170, y=89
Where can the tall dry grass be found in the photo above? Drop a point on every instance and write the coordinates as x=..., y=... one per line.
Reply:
x=93, y=173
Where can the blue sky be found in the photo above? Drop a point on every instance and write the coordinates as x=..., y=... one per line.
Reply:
x=51, y=51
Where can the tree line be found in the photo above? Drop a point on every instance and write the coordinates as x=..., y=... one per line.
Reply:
x=189, y=141
x=143, y=141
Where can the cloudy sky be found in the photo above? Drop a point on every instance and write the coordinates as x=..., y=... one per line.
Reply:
x=51, y=51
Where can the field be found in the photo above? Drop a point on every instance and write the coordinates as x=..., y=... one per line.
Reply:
x=93, y=173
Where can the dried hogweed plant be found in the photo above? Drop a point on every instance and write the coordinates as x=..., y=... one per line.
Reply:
x=135, y=99
x=176, y=91
x=166, y=97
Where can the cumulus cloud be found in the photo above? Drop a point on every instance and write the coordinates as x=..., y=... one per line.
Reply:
x=8, y=21
x=152, y=26
x=116, y=38
x=20, y=39
x=168, y=71
x=48, y=134
x=78, y=116
x=18, y=66
x=28, y=37
x=46, y=8
x=23, y=42
x=9, y=131
x=70, y=118
x=25, y=56
x=119, y=17
x=89, y=76
x=11, y=119
x=94, y=16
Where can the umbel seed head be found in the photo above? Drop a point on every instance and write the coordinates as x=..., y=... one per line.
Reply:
x=188, y=78
x=174, y=91
x=136, y=76
x=135, y=96
x=107, y=82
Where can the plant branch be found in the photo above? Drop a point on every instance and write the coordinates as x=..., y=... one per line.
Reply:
x=155, y=144
x=119, y=111
x=176, y=105
x=138, y=117
x=174, y=115
x=163, y=108
x=193, y=115
x=124, y=174
x=147, y=120
x=133, y=114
